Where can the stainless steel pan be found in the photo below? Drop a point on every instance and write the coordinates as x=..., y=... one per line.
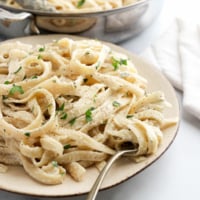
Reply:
x=113, y=25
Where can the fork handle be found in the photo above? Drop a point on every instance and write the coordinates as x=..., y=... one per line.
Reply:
x=95, y=188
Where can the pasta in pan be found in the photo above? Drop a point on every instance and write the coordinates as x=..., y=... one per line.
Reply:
x=68, y=105
x=74, y=5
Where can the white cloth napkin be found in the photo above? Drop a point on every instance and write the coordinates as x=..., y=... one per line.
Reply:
x=177, y=55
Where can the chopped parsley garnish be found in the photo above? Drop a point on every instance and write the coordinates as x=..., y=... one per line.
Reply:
x=18, y=70
x=123, y=62
x=34, y=77
x=39, y=57
x=27, y=134
x=116, y=63
x=61, y=108
x=80, y=3
x=72, y=121
x=63, y=116
x=7, y=82
x=88, y=114
x=67, y=146
x=129, y=116
x=41, y=49
x=54, y=163
x=16, y=88
x=116, y=104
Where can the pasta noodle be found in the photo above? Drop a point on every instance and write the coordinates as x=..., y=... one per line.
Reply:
x=68, y=105
x=74, y=5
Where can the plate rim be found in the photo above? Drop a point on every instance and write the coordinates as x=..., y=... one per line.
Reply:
x=51, y=37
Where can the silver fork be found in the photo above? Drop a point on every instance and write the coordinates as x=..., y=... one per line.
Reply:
x=95, y=188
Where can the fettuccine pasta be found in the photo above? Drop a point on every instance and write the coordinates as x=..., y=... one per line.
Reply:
x=68, y=105
x=76, y=5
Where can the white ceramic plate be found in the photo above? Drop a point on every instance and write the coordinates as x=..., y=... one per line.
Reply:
x=16, y=180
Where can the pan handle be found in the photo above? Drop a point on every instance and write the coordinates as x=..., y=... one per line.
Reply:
x=17, y=24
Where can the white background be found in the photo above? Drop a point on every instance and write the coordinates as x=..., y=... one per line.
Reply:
x=176, y=175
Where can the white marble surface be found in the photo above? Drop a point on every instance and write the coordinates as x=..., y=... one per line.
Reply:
x=176, y=174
